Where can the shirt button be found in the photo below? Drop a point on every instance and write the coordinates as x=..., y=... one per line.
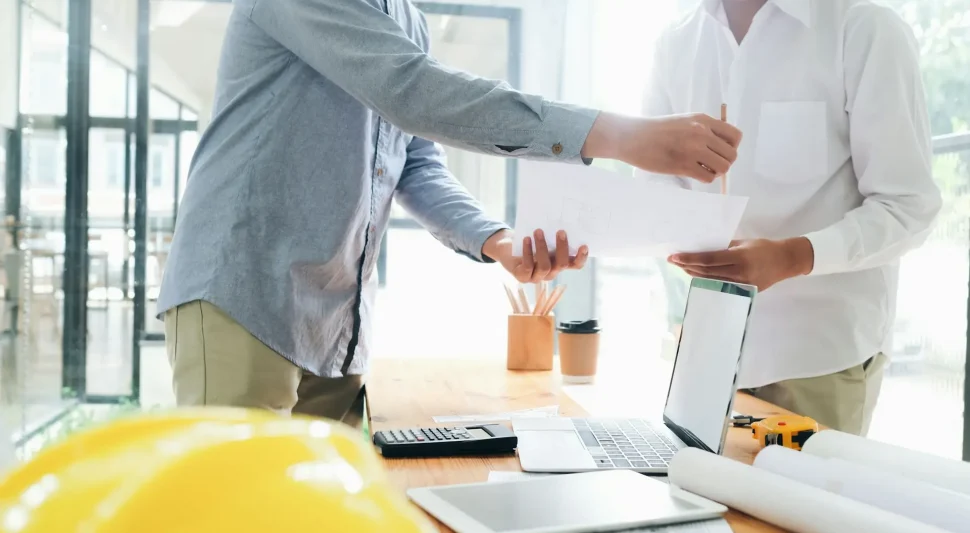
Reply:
x=380, y=172
x=557, y=148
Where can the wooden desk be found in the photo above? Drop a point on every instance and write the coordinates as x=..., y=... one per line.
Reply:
x=408, y=393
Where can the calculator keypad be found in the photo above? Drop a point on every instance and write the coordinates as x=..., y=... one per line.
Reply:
x=407, y=436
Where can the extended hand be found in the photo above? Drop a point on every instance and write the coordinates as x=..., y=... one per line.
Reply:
x=759, y=262
x=537, y=266
x=696, y=146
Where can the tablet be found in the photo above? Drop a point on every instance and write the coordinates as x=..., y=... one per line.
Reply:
x=571, y=503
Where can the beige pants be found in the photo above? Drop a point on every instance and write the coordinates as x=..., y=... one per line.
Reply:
x=843, y=401
x=215, y=361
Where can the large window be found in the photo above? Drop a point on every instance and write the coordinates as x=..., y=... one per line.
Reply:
x=157, y=171
x=44, y=83
x=112, y=97
x=46, y=157
x=108, y=89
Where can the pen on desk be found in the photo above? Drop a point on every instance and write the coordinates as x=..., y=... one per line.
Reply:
x=724, y=177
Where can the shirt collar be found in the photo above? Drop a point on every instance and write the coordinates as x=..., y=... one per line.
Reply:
x=801, y=10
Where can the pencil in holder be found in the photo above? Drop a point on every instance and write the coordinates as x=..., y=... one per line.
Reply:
x=531, y=339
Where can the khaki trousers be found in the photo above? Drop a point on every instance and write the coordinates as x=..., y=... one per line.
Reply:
x=843, y=401
x=215, y=361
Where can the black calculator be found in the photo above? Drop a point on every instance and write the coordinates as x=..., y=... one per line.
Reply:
x=485, y=439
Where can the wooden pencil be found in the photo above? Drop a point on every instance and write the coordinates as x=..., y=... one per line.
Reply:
x=724, y=177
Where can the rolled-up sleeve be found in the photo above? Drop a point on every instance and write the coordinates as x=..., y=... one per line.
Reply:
x=368, y=55
x=429, y=191
x=891, y=148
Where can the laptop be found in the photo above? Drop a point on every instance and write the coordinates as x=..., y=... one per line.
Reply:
x=699, y=399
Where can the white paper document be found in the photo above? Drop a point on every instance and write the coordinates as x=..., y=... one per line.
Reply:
x=618, y=215
x=538, y=412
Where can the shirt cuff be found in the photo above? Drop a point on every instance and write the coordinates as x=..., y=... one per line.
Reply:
x=828, y=246
x=564, y=131
x=476, y=240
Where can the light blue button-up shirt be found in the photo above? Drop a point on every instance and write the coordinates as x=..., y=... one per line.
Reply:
x=325, y=110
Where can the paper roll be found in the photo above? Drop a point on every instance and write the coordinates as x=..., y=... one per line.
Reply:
x=889, y=491
x=779, y=501
x=945, y=473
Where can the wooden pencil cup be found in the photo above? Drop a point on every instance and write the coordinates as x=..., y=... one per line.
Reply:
x=531, y=340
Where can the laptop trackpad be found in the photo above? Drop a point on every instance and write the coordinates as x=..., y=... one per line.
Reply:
x=556, y=449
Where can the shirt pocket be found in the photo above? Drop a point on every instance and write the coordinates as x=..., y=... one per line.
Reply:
x=792, y=143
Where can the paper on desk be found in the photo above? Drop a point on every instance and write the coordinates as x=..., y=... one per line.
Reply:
x=780, y=501
x=709, y=526
x=538, y=412
x=883, y=488
x=945, y=473
x=621, y=216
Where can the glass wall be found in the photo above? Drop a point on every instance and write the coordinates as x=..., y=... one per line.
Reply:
x=35, y=266
x=109, y=358
x=38, y=367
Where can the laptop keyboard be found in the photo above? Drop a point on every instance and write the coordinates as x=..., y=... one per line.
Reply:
x=625, y=443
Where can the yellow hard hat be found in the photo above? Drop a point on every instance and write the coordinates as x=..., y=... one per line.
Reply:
x=207, y=471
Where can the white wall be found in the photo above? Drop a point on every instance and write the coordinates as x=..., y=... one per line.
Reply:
x=8, y=63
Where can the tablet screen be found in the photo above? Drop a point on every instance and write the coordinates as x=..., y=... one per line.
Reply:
x=617, y=498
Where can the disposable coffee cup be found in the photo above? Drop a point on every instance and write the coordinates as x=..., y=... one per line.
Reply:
x=579, y=346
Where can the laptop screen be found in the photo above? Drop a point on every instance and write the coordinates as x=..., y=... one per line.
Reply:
x=703, y=383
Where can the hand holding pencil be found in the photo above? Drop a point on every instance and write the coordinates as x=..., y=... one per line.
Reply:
x=724, y=176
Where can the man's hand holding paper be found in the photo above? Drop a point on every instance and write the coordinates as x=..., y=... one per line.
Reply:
x=538, y=265
x=758, y=262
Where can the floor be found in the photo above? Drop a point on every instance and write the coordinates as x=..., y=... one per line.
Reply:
x=457, y=308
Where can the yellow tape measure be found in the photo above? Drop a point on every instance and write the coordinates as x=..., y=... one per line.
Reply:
x=789, y=431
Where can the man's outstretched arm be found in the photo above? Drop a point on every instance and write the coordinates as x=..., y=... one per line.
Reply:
x=367, y=54
x=429, y=191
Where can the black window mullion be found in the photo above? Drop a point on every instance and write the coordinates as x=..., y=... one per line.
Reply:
x=75, y=280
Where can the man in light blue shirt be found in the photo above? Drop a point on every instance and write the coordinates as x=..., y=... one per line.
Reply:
x=326, y=110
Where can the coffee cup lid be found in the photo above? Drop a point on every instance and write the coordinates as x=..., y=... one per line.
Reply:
x=580, y=326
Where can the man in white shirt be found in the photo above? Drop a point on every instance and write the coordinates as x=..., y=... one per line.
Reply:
x=837, y=166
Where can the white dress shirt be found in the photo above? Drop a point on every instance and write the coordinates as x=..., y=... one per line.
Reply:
x=836, y=148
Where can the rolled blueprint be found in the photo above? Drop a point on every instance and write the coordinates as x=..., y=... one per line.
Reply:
x=945, y=473
x=915, y=499
x=780, y=501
